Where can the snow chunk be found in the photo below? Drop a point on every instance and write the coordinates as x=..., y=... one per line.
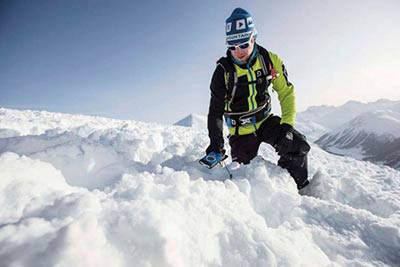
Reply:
x=26, y=183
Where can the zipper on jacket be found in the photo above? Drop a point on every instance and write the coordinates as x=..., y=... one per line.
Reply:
x=252, y=86
x=253, y=92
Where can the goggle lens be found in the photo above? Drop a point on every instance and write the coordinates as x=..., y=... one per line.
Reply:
x=241, y=46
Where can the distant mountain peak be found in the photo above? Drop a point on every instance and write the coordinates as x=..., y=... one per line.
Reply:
x=332, y=117
x=370, y=136
x=193, y=120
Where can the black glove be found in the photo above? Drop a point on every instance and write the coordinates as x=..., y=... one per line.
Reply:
x=217, y=148
x=284, y=139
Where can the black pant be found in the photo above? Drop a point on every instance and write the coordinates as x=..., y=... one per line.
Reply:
x=245, y=147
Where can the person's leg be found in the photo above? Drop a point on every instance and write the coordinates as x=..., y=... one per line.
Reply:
x=243, y=147
x=295, y=161
x=296, y=164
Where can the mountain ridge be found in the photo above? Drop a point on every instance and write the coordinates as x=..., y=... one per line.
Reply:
x=369, y=136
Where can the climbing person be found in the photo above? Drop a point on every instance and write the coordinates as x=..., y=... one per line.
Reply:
x=239, y=93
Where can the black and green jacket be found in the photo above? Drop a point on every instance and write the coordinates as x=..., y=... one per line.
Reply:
x=251, y=92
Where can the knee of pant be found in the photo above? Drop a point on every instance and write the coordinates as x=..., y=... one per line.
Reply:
x=296, y=167
x=300, y=179
x=301, y=145
x=284, y=162
x=292, y=161
x=304, y=148
x=241, y=159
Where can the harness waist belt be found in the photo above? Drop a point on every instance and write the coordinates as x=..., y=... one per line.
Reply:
x=248, y=118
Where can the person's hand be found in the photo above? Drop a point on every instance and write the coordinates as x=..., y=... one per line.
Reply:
x=212, y=159
x=284, y=139
x=217, y=148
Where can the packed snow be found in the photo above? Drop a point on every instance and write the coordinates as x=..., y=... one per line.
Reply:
x=88, y=191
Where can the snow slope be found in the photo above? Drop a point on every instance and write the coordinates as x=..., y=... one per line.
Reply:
x=88, y=191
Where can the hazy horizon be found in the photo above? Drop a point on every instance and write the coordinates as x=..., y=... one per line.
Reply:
x=188, y=114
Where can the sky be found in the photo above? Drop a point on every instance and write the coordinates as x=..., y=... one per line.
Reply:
x=153, y=60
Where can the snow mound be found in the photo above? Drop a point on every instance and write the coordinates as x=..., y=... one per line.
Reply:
x=32, y=181
x=63, y=205
x=32, y=122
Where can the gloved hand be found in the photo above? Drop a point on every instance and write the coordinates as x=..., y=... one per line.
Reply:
x=217, y=148
x=212, y=159
x=284, y=139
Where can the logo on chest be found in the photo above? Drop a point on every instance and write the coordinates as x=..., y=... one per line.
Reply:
x=259, y=76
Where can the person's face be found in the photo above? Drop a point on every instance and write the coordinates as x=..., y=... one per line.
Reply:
x=241, y=54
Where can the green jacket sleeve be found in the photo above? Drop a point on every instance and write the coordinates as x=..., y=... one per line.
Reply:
x=285, y=90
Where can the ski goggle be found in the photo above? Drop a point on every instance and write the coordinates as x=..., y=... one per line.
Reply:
x=241, y=46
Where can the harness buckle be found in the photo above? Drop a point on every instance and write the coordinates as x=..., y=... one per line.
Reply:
x=244, y=121
x=236, y=120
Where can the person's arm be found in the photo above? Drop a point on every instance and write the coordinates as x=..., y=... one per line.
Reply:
x=216, y=111
x=285, y=90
